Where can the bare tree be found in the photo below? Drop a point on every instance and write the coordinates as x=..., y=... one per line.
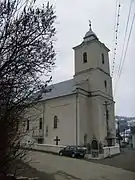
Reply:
x=26, y=54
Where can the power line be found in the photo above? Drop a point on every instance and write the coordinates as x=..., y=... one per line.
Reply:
x=129, y=13
x=116, y=31
x=114, y=25
x=122, y=64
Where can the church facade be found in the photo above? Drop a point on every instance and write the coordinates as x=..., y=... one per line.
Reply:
x=74, y=112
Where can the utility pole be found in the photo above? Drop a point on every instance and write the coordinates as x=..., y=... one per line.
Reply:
x=106, y=104
x=119, y=133
x=107, y=117
x=124, y=135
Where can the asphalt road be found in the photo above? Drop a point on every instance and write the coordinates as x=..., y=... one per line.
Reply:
x=72, y=169
x=126, y=160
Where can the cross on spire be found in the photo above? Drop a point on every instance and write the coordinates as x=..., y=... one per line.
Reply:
x=90, y=24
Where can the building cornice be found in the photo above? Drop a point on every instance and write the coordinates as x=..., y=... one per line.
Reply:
x=89, y=42
x=101, y=94
x=92, y=69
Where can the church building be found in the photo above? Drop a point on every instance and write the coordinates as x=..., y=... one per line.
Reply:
x=78, y=110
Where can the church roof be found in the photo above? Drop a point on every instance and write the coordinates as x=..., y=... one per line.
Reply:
x=60, y=89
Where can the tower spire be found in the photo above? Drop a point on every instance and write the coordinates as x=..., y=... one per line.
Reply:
x=90, y=35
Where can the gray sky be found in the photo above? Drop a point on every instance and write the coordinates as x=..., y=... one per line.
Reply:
x=72, y=24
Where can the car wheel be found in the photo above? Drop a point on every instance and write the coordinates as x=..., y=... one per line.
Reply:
x=73, y=155
x=61, y=154
x=83, y=156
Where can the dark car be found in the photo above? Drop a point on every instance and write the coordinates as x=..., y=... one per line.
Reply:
x=73, y=151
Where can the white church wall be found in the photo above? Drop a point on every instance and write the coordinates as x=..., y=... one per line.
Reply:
x=32, y=114
x=84, y=127
x=102, y=118
x=112, y=126
x=98, y=118
x=65, y=109
x=83, y=80
x=110, y=151
x=97, y=82
x=104, y=66
x=92, y=50
x=94, y=117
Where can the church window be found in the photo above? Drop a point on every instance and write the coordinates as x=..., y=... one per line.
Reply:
x=46, y=131
x=105, y=83
x=55, y=122
x=28, y=125
x=84, y=57
x=40, y=141
x=103, y=61
x=40, y=123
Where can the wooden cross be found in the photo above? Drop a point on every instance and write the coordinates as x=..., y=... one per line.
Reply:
x=57, y=140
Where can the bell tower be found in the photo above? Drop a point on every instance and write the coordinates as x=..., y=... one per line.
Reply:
x=91, y=60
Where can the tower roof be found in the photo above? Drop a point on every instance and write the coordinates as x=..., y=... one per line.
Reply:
x=90, y=35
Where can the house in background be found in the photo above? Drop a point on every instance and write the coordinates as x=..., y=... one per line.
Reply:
x=133, y=135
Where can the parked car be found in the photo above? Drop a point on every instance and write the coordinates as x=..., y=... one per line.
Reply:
x=73, y=151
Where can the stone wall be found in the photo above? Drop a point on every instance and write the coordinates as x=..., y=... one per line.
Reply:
x=110, y=151
x=107, y=151
x=47, y=148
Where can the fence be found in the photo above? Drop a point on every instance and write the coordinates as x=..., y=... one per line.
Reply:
x=110, y=151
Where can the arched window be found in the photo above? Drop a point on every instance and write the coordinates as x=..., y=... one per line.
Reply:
x=55, y=122
x=40, y=123
x=84, y=57
x=105, y=83
x=103, y=59
x=28, y=125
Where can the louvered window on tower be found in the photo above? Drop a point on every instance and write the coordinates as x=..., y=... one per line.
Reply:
x=40, y=123
x=28, y=125
x=105, y=83
x=103, y=61
x=84, y=57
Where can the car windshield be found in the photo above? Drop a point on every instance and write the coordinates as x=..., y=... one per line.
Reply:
x=76, y=147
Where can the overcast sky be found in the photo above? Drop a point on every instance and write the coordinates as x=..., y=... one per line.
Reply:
x=72, y=24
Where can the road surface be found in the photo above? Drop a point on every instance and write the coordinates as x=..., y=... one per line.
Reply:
x=63, y=168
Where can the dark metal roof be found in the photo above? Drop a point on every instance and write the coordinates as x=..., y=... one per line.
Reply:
x=60, y=89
